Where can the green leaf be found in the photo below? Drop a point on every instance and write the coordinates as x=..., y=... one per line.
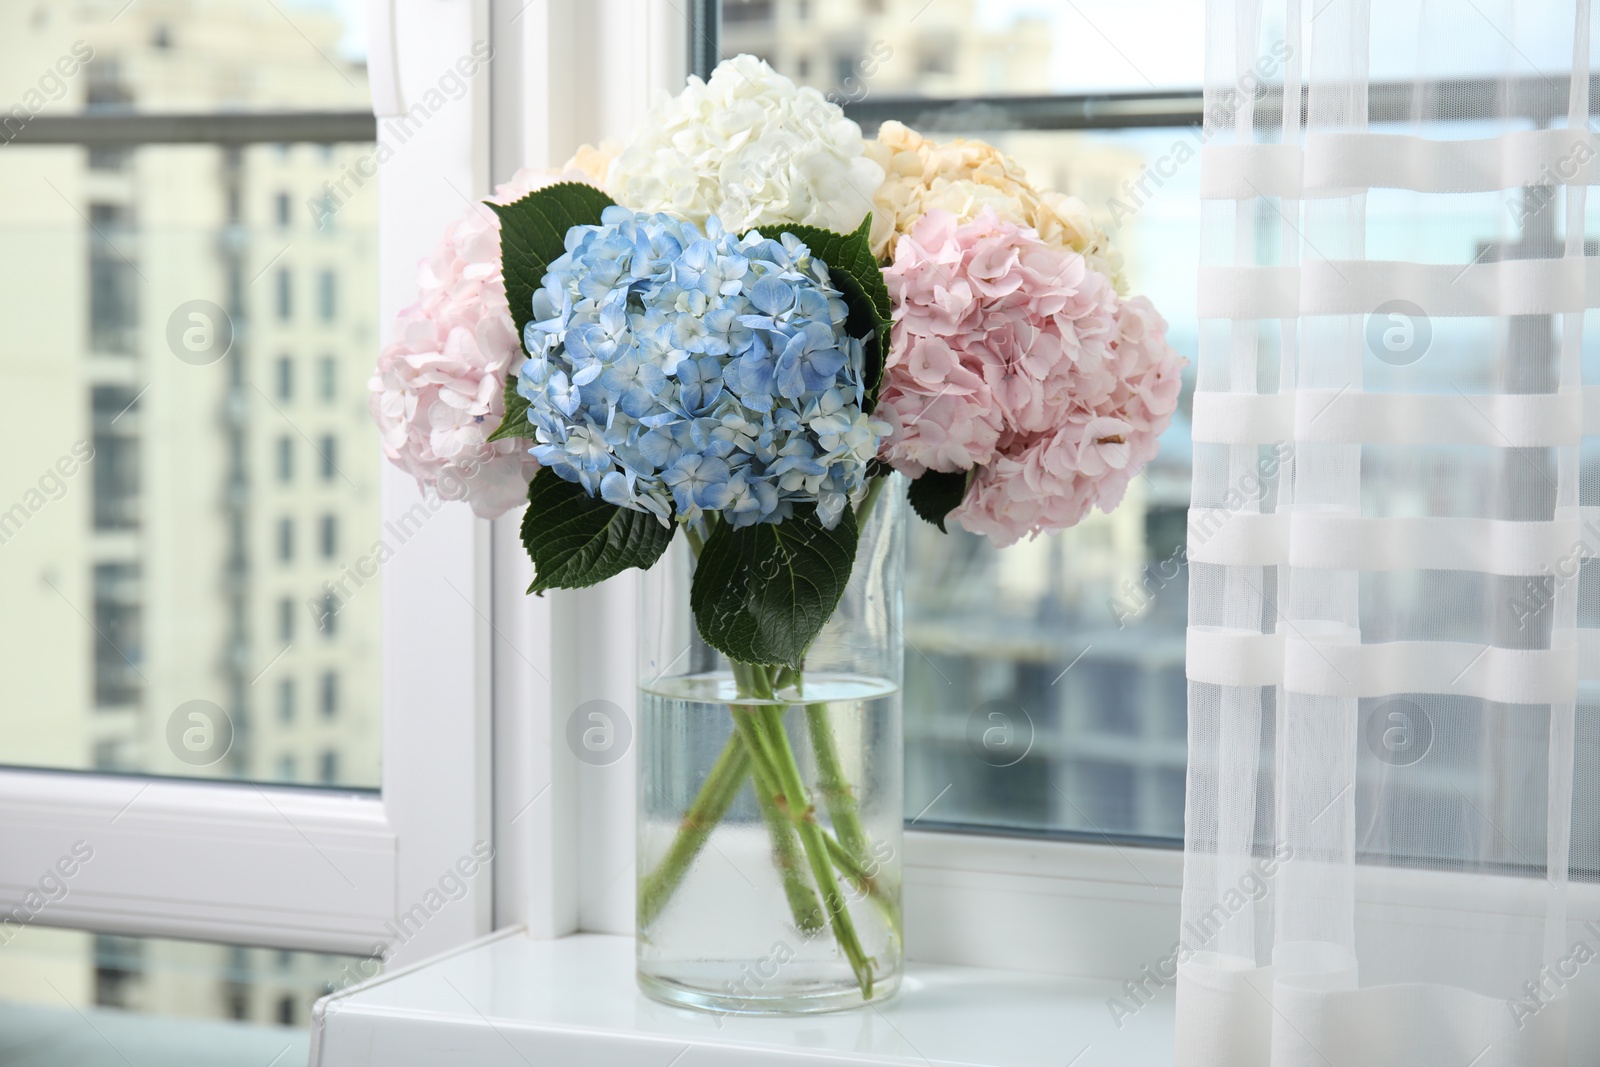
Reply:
x=515, y=422
x=936, y=494
x=576, y=540
x=856, y=274
x=762, y=593
x=533, y=231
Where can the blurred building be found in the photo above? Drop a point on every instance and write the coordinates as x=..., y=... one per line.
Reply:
x=199, y=318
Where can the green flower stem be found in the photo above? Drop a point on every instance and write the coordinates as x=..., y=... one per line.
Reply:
x=786, y=852
x=776, y=744
x=867, y=883
x=716, y=795
x=836, y=790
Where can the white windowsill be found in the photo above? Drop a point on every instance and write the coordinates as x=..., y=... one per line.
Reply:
x=511, y=1000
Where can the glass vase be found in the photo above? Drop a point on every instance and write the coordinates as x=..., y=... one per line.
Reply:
x=749, y=899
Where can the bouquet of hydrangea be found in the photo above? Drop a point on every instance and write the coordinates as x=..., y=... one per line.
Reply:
x=737, y=326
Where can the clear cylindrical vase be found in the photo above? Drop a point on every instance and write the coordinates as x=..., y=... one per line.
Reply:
x=770, y=807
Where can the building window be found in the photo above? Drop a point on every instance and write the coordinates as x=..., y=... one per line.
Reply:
x=119, y=633
x=103, y=157
x=285, y=376
x=330, y=461
x=330, y=694
x=329, y=617
x=285, y=295
x=114, y=410
x=285, y=540
x=746, y=12
x=113, y=280
x=285, y=458
x=285, y=620
x=327, y=379
x=329, y=769
x=283, y=209
x=327, y=295
x=286, y=768
x=330, y=536
x=286, y=700
x=285, y=1011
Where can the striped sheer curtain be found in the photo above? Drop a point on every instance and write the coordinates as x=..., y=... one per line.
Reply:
x=1391, y=828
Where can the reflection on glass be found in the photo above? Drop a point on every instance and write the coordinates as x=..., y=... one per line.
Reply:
x=69, y=996
x=188, y=492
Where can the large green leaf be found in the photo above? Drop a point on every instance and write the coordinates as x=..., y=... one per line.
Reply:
x=533, y=231
x=762, y=593
x=857, y=275
x=576, y=540
x=937, y=493
x=515, y=421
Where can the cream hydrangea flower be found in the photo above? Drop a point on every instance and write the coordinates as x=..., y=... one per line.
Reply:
x=753, y=149
x=963, y=177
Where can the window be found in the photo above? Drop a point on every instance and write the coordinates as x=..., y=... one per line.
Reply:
x=327, y=611
x=327, y=378
x=113, y=457
x=327, y=296
x=154, y=649
x=328, y=452
x=114, y=279
x=285, y=294
x=328, y=768
x=744, y=12
x=330, y=536
x=286, y=767
x=285, y=540
x=285, y=377
x=285, y=458
x=119, y=634
x=330, y=694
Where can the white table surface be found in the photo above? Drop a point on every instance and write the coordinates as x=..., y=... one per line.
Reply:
x=511, y=1001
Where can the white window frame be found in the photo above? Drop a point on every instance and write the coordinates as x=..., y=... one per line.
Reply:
x=310, y=869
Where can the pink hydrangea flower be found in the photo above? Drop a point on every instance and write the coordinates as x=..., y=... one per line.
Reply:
x=1013, y=358
x=438, y=391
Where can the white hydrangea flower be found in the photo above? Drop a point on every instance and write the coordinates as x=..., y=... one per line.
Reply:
x=753, y=149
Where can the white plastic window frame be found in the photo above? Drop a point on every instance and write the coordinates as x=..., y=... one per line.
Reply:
x=322, y=870
x=564, y=829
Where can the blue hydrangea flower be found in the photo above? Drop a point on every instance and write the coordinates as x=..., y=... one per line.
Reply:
x=691, y=373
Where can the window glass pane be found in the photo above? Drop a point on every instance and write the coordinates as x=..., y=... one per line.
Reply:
x=74, y=997
x=189, y=481
x=1045, y=683
x=202, y=56
x=956, y=48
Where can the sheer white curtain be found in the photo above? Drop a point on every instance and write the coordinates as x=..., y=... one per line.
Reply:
x=1392, y=820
